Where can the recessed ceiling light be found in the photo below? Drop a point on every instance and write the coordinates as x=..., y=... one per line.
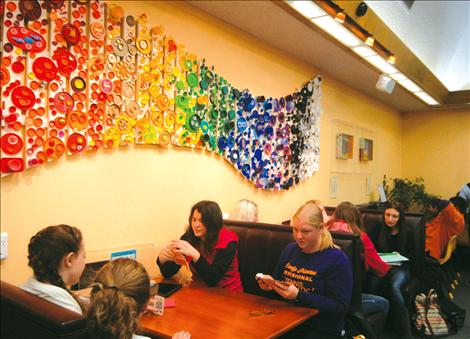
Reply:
x=381, y=64
x=426, y=98
x=338, y=31
x=364, y=51
x=307, y=8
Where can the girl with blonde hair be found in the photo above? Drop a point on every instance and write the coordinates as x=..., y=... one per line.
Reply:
x=245, y=210
x=314, y=272
x=119, y=297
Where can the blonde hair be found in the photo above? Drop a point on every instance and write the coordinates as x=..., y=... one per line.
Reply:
x=118, y=297
x=245, y=210
x=350, y=214
x=312, y=215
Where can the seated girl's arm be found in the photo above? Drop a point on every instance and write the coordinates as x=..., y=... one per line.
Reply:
x=168, y=268
x=166, y=263
x=373, y=262
x=212, y=273
x=337, y=297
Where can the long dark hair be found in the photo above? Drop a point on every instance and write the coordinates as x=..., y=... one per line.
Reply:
x=386, y=232
x=47, y=248
x=211, y=218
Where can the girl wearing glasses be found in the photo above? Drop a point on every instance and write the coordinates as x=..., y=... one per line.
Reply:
x=315, y=273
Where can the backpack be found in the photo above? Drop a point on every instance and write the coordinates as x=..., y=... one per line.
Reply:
x=428, y=320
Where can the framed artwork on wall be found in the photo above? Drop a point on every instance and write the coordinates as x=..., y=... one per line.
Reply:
x=344, y=146
x=366, y=148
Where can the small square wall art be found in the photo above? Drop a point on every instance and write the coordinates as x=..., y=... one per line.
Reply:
x=344, y=146
x=366, y=147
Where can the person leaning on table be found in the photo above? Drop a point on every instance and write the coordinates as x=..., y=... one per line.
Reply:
x=318, y=272
x=210, y=249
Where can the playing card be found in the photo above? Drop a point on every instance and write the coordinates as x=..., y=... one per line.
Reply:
x=158, y=304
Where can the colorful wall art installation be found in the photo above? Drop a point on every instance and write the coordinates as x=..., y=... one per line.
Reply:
x=81, y=75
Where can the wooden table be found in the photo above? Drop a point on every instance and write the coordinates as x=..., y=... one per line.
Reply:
x=219, y=313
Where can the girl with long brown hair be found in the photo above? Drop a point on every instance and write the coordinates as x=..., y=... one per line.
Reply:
x=57, y=256
x=210, y=249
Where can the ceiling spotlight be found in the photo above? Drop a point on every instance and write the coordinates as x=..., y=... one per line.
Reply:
x=361, y=10
x=370, y=41
x=340, y=17
x=391, y=59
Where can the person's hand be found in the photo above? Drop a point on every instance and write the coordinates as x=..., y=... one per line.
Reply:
x=286, y=291
x=185, y=248
x=266, y=282
x=325, y=216
x=181, y=335
x=150, y=305
x=166, y=254
x=179, y=258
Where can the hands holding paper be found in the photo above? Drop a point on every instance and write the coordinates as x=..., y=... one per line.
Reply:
x=177, y=251
x=284, y=289
x=182, y=247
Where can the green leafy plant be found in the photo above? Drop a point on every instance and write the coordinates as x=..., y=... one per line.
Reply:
x=407, y=192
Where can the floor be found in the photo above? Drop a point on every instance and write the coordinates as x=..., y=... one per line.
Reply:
x=461, y=296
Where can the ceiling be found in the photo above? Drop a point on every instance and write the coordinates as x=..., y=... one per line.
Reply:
x=274, y=23
x=448, y=57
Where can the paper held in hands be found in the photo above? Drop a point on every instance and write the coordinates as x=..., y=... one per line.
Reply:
x=271, y=281
x=393, y=257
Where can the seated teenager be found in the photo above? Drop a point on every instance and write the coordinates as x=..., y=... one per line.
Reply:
x=210, y=249
x=57, y=256
x=315, y=273
x=445, y=221
x=119, y=297
x=393, y=237
x=245, y=210
x=347, y=217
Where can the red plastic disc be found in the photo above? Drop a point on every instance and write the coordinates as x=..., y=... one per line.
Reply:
x=11, y=143
x=76, y=143
x=63, y=102
x=71, y=34
x=12, y=165
x=44, y=69
x=4, y=76
x=66, y=61
x=23, y=97
x=26, y=39
x=17, y=67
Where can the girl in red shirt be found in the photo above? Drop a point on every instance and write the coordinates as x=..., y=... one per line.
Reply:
x=210, y=249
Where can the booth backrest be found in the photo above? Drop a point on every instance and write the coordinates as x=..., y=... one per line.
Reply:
x=25, y=316
x=260, y=246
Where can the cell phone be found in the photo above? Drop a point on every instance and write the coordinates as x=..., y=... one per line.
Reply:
x=165, y=289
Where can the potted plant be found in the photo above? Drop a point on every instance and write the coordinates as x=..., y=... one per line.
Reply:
x=410, y=193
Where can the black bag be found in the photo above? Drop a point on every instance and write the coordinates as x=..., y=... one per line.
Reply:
x=455, y=315
x=431, y=276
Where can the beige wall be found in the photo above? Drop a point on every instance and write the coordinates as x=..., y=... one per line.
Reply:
x=142, y=194
x=437, y=148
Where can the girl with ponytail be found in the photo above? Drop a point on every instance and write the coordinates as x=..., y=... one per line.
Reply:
x=57, y=256
x=315, y=273
x=119, y=297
